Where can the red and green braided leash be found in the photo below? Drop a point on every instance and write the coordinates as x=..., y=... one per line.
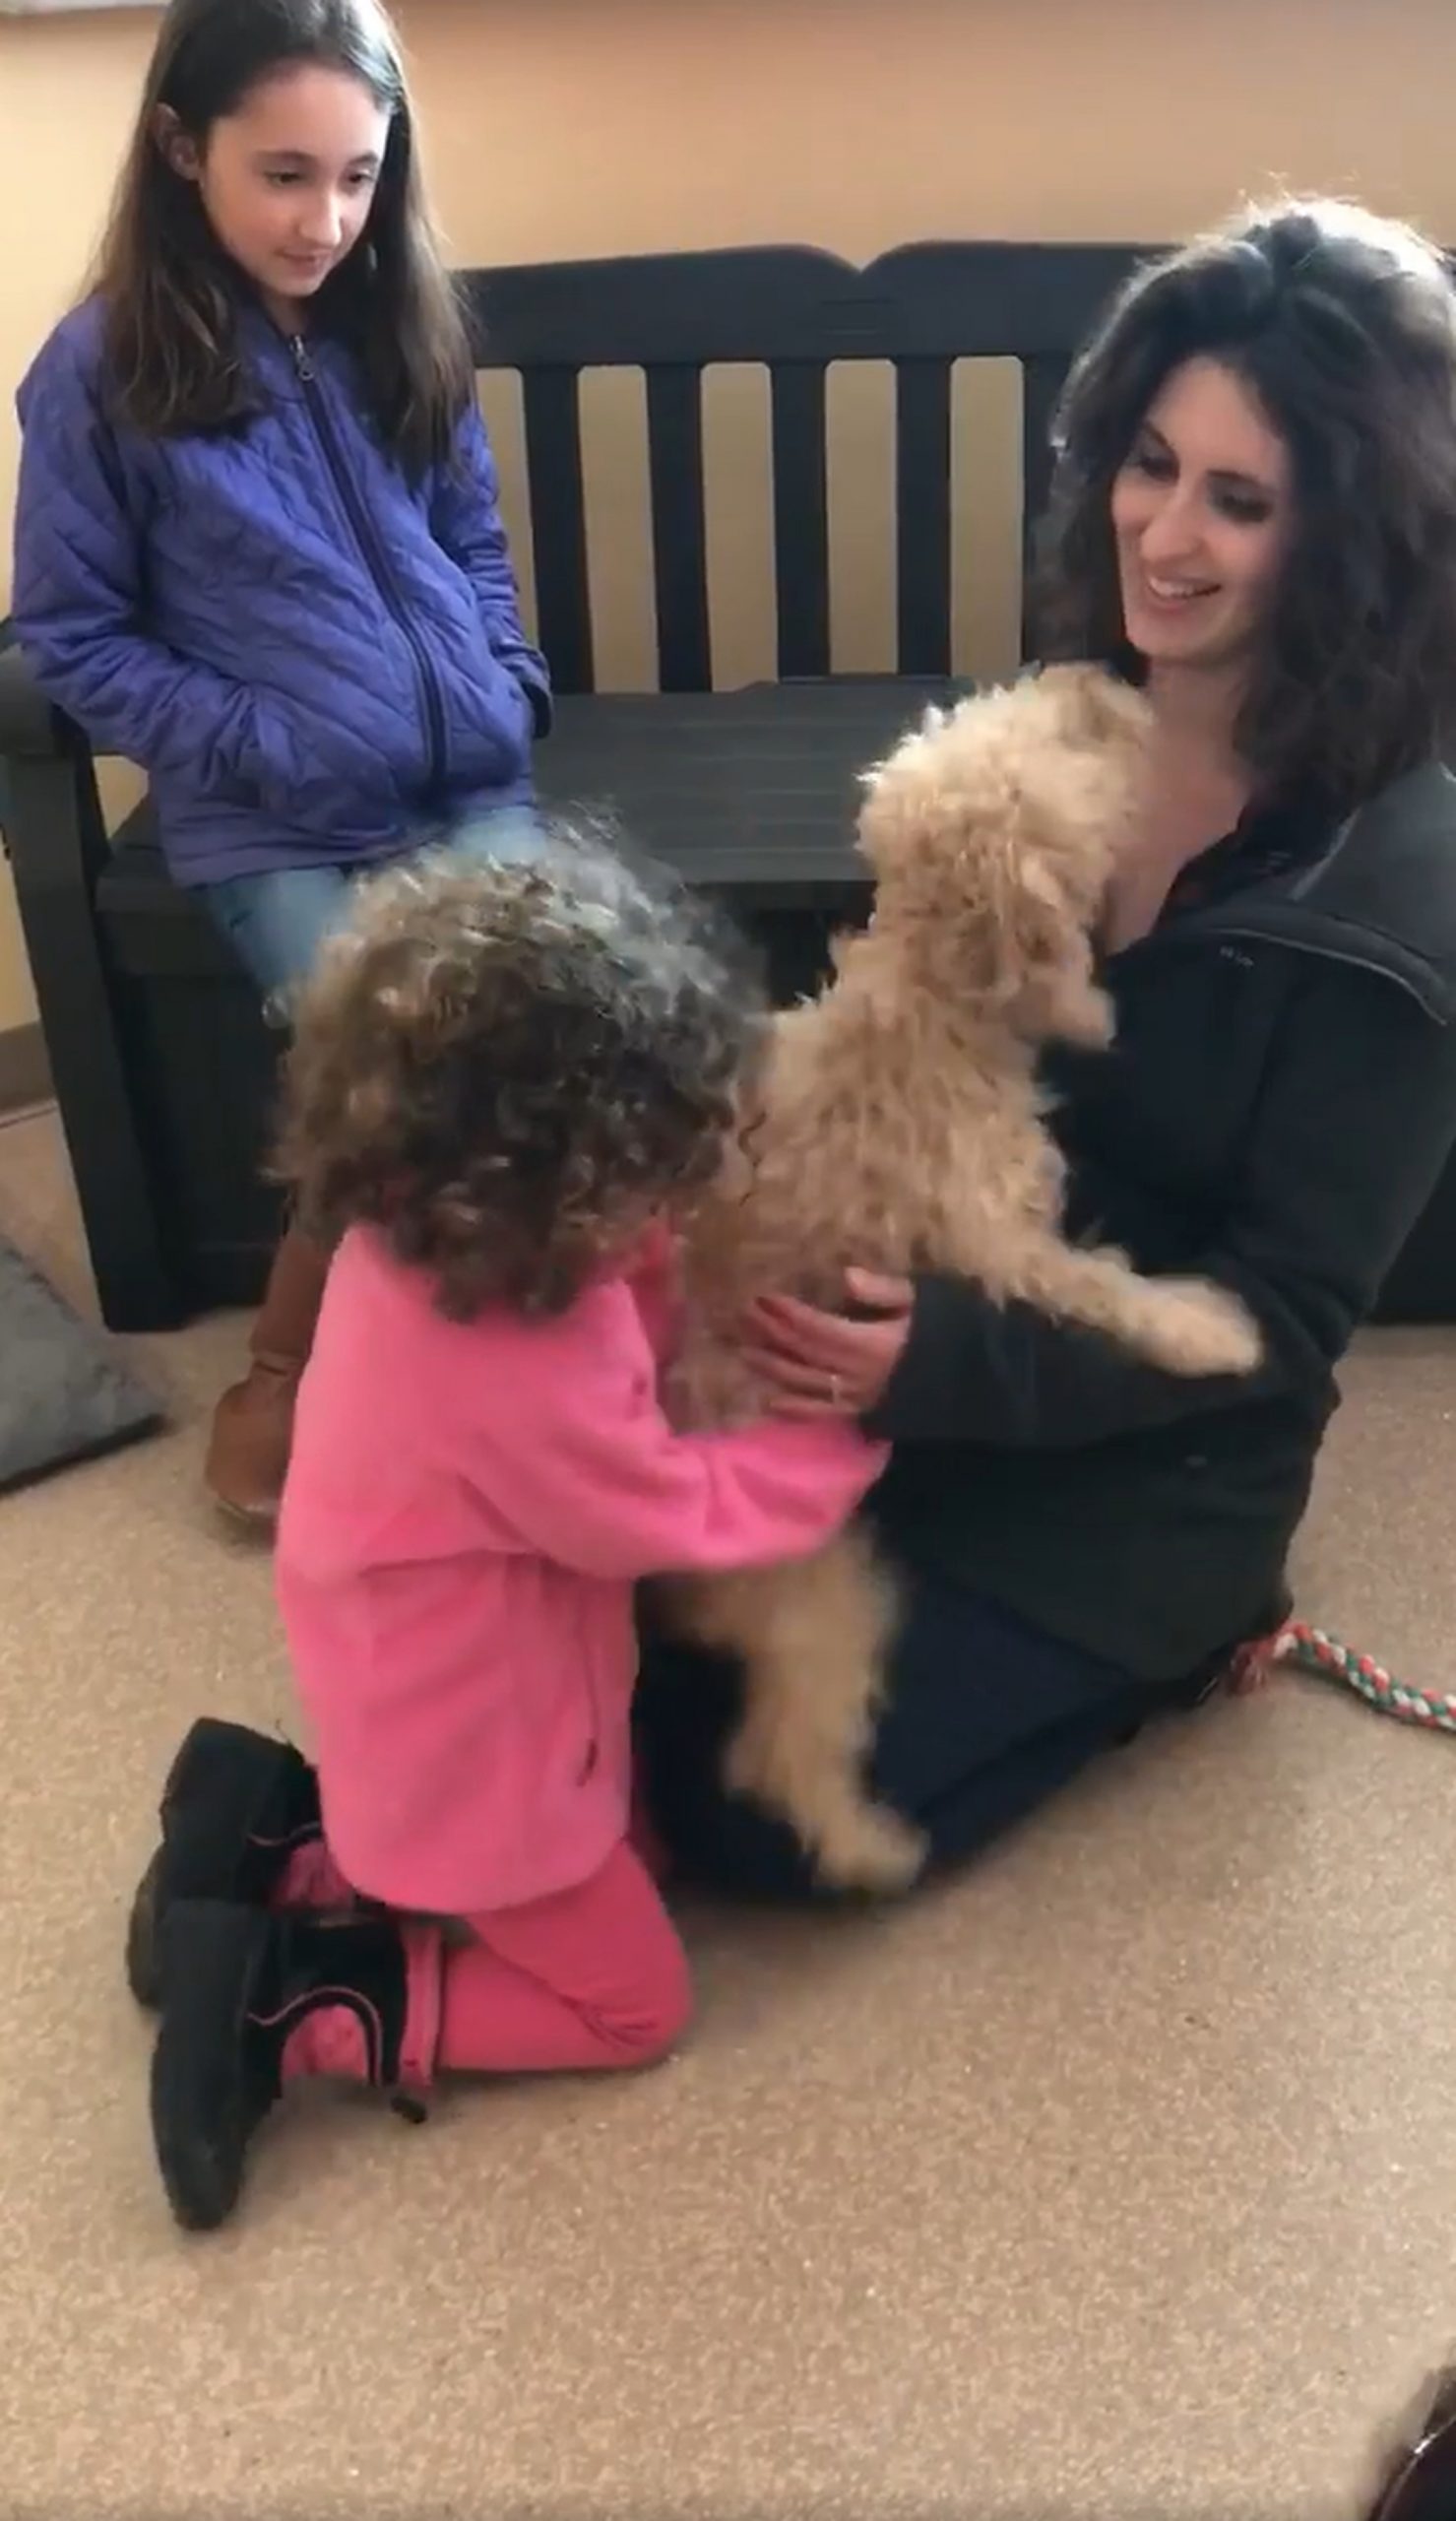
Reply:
x=1302, y=1648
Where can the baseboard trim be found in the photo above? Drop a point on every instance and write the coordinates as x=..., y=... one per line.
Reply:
x=24, y=1069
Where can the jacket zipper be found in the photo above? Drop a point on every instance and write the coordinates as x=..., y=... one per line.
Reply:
x=1320, y=950
x=1206, y=929
x=1345, y=955
x=376, y=560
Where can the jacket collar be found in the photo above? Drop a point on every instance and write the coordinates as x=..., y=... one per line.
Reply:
x=271, y=354
x=1378, y=890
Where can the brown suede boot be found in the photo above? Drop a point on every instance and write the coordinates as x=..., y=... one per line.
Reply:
x=253, y=1423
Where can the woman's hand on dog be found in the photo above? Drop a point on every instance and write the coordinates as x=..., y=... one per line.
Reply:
x=830, y=1365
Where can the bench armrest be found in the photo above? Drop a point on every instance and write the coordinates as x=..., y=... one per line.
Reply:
x=57, y=840
x=53, y=826
x=30, y=728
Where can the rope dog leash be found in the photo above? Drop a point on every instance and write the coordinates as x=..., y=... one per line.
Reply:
x=1302, y=1648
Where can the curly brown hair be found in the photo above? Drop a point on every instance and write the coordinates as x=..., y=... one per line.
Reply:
x=510, y=1069
x=1344, y=327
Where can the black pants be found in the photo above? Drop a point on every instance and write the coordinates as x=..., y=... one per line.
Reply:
x=985, y=1718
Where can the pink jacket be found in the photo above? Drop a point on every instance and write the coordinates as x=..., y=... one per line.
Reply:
x=466, y=1509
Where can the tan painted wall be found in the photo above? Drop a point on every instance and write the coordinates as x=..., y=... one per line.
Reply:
x=564, y=127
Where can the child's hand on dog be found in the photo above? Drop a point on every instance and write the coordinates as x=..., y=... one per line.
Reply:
x=815, y=1364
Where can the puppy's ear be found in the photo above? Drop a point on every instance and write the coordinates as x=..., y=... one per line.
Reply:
x=1048, y=967
x=902, y=803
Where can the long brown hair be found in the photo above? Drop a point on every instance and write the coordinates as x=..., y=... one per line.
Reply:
x=171, y=295
x=1344, y=327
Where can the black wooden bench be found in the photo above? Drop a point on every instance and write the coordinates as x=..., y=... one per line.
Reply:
x=162, y=1067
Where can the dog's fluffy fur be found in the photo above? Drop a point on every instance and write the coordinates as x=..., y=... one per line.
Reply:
x=900, y=1127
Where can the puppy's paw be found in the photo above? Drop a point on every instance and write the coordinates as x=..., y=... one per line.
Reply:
x=855, y=1845
x=750, y=1765
x=1083, y=1016
x=871, y=1849
x=1207, y=1332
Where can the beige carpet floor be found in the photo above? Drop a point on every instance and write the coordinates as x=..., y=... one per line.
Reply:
x=1117, y=2178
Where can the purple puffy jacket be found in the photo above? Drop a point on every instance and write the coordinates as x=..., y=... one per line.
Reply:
x=309, y=655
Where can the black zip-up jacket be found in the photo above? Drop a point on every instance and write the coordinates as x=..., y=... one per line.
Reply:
x=1275, y=1115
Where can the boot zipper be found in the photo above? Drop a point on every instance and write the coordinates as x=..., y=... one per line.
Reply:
x=376, y=560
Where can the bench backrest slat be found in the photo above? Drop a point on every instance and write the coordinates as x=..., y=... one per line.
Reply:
x=680, y=535
x=800, y=491
x=1042, y=376
x=551, y=409
x=923, y=514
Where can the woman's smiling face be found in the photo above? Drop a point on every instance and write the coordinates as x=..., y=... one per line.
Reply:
x=1201, y=516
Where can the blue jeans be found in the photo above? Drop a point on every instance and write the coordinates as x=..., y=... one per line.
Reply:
x=277, y=921
x=985, y=1719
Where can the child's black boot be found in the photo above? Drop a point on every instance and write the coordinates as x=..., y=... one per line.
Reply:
x=234, y=1807
x=252, y=2000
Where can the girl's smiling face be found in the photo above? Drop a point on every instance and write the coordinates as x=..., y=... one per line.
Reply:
x=288, y=179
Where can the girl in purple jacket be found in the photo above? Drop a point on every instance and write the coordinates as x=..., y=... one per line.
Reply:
x=257, y=549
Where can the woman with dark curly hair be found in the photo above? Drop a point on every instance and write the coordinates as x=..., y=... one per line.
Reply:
x=505, y=1086
x=1254, y=517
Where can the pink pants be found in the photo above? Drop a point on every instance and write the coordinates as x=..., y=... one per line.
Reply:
x=592, y=1977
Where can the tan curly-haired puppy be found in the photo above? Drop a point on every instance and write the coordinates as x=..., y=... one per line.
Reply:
x=902, y=1127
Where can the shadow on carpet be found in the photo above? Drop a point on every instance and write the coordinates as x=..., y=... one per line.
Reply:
x=66, y=1393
